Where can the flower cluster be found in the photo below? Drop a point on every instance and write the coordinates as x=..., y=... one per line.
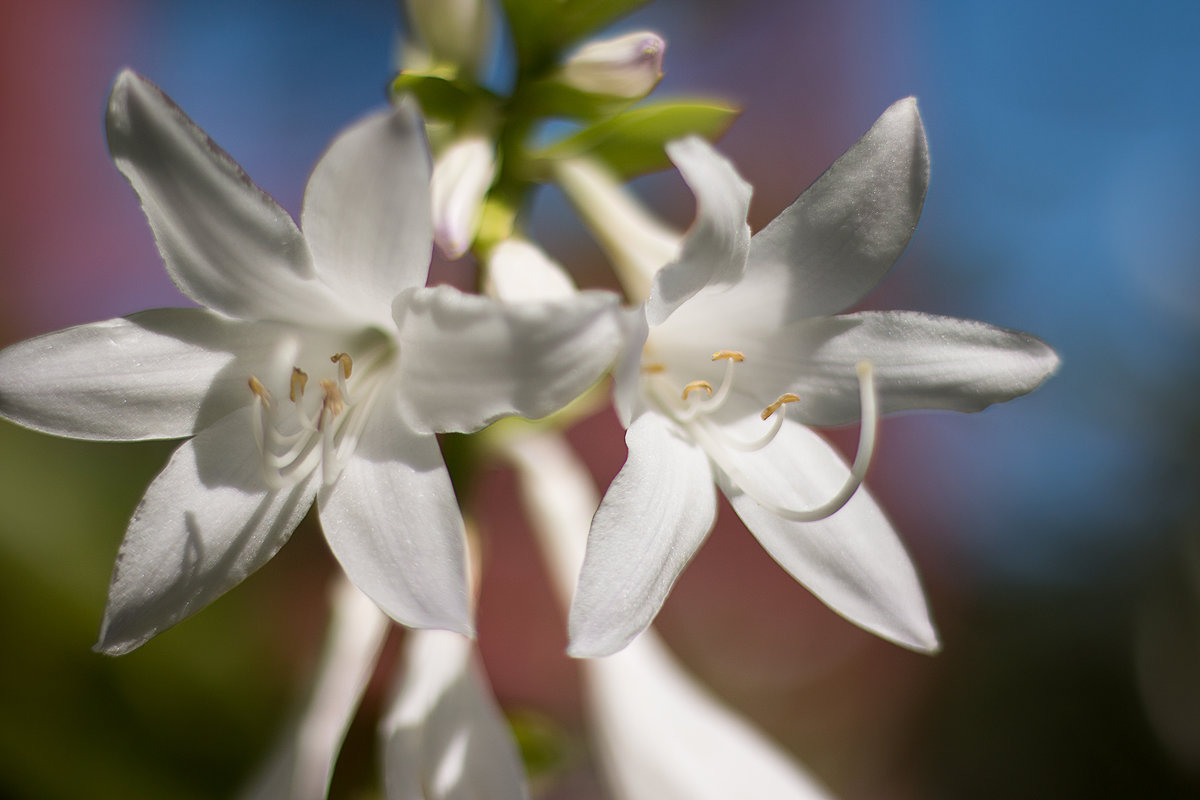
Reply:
x=320, y=367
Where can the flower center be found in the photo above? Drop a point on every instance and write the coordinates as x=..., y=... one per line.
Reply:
x=693, y=409
x=312, y=429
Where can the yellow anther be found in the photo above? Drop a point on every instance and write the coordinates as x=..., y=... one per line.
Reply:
x=697, y=385
x=654, y=368
x=333, y=402
x=260, y=391
x=778, y=404
x=730, y=355
x=299, y=381
x=346, y=362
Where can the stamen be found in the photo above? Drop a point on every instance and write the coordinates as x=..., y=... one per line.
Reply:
x=862, y=459
x=731, y=355
x=778, y=404
x=299, y=381
x=332, y=404
x=654, y=369
x=697, y=386
x=260, y=391
x=346, y=363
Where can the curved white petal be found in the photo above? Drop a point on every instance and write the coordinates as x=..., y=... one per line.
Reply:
x=661, y=736
x=853, y=561
x=628, y=371
x=466, y=360
x=657, y=512
x=831, y=246
x=302, y=763
x=224, y=241
x=205, y=523
x=520, y=272
x=366, y=210
x=920, y=361
x=443, y=735
x=155, y=375
x=392, y=521
x=716, y=246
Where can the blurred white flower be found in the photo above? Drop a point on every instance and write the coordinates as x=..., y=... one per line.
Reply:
x=659, y=734
x=303, y=378
x=627, y=66
x=736, y=352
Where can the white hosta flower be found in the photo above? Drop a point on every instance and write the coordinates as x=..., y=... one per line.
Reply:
x=462, y=174
x=627, y=66
x=660, y=735
x=738, y=352
x=302, y=763
x=444, y=737
x=321, y=368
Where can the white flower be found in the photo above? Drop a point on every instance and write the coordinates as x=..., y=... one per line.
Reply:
x=660, y=735
x=321, y=368
x=443, y=736
x=738, y=351
x=627, y=66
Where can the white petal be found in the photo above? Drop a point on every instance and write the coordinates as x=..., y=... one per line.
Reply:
x=466, y=361
x=224, y=241
x=206, y=522
x=392, y=521
x=461, y=177
x=853, y=561
x=366, y=209
x=716, y=246
x=521, y=272
x=156, y=375
x=657, y=512
x=920, y=361
x=302, y=763
x=443, y=735
x=628, y=372
x=663, y=737
x=831, y=246
x=628, y=66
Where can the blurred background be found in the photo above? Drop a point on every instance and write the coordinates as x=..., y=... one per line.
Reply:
x=1058, y=536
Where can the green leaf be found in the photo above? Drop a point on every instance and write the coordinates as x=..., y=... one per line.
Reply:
x=441, y=97
x=542, y=29
x=632, y=143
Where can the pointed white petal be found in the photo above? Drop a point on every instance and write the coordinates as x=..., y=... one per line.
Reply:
x=521, y=272
x=443, y=735
x=224, y=241
x=466, y=361
x=661, y=736
x=302, y=763
x=920, y=361
x=392, y=521
x=366, y=209
x=831, y=246
x=657, y=512
x=156, y=375
x=206, y=522
x=461, y=177
x=853, y=561
x=716, y=246
x=628, y=372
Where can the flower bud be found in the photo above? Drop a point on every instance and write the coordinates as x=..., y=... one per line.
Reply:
x=449, y=32
x=519, y=271
x=462, y=174
x=628, y=66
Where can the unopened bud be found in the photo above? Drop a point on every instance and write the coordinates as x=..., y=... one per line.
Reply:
x=450, y=32
x=628, y=66
x=462, y=174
